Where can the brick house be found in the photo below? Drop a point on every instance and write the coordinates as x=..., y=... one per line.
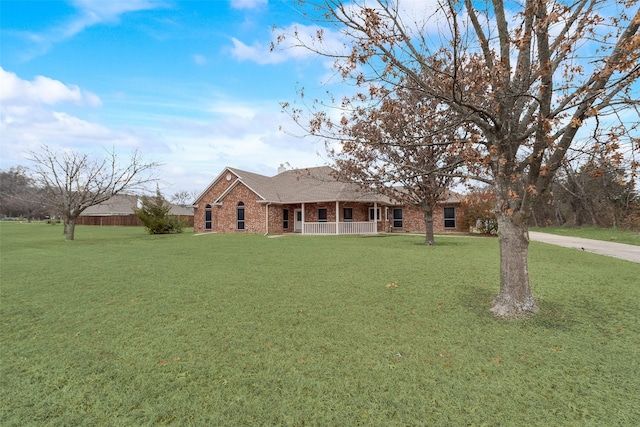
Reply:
x=309, y=201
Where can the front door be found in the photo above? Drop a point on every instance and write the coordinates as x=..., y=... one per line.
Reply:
x=297, y=223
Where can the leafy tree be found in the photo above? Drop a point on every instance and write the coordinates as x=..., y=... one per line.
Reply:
x=478, y=211
x=72, y=181
x=389, y=148
x=154, y=214
x=525, y=77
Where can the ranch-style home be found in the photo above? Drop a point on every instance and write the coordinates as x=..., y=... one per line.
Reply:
x=308, y=201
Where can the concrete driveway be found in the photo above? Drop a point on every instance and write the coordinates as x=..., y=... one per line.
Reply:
x=616, y=250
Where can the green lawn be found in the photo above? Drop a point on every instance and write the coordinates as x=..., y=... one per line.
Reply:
x=122, y=328
x=616, y=235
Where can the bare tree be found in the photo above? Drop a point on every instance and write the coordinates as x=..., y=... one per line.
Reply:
x=184, y=198
x=72, y=181
x=526, y=77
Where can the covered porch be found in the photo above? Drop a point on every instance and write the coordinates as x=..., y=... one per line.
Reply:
x=338, y=218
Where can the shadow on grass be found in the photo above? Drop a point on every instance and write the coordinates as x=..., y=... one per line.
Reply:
x=442, y=241
x=477, y=301
x=551, y=315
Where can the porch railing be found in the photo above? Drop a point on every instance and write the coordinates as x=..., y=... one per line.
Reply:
x=363, y=227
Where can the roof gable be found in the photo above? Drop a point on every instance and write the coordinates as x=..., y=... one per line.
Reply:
x=222, y=174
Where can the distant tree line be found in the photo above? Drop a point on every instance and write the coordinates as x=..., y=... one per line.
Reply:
x=20, y=197
x=595, y=193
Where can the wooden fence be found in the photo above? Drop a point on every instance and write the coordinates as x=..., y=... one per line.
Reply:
x=120, y=220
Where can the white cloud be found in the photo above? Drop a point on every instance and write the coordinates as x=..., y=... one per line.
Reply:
x=229, y=109
x=295, y=41
x=105, y=11
x=32, y=113
x=258, y=53
x=227, y=132
x=247, y=4
x=42, y=90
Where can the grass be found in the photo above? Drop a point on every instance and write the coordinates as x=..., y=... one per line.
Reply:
x=616, y=235
x=123, y=328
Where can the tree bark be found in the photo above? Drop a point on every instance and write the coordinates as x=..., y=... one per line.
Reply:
x=515, y=296
x=71, y=228
x=428, y=222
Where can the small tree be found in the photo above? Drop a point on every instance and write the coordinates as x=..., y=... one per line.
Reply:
x=154, y=214
x=71, y=182
x=479, y=211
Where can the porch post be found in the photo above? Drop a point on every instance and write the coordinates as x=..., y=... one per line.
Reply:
x=375, y=216
x=303, y=218
x=337, y=217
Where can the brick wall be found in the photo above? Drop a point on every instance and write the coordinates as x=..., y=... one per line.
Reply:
x=276, y=220
x=413, y=219
x=224, y=217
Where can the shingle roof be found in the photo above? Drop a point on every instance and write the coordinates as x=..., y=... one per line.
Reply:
x=310, y=185
x=123, y=204
x=305, y=186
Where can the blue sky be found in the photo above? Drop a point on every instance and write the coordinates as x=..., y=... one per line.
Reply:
x=191, y=84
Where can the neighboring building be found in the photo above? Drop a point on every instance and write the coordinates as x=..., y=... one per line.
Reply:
x=118, y=210
x=308, y=201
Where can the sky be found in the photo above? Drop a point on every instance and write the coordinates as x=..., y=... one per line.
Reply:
x=192, y=85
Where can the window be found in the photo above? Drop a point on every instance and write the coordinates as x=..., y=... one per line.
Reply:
x=285, y=218
x=347, y=214
x=374, y=214
x=322, y=215
x=397, y=217
x=449, y=217
x=240, y=216
x=207, y=217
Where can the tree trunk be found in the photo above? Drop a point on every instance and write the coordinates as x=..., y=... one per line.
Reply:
x=515, y=296
x=71, y=228
x=428, y=225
